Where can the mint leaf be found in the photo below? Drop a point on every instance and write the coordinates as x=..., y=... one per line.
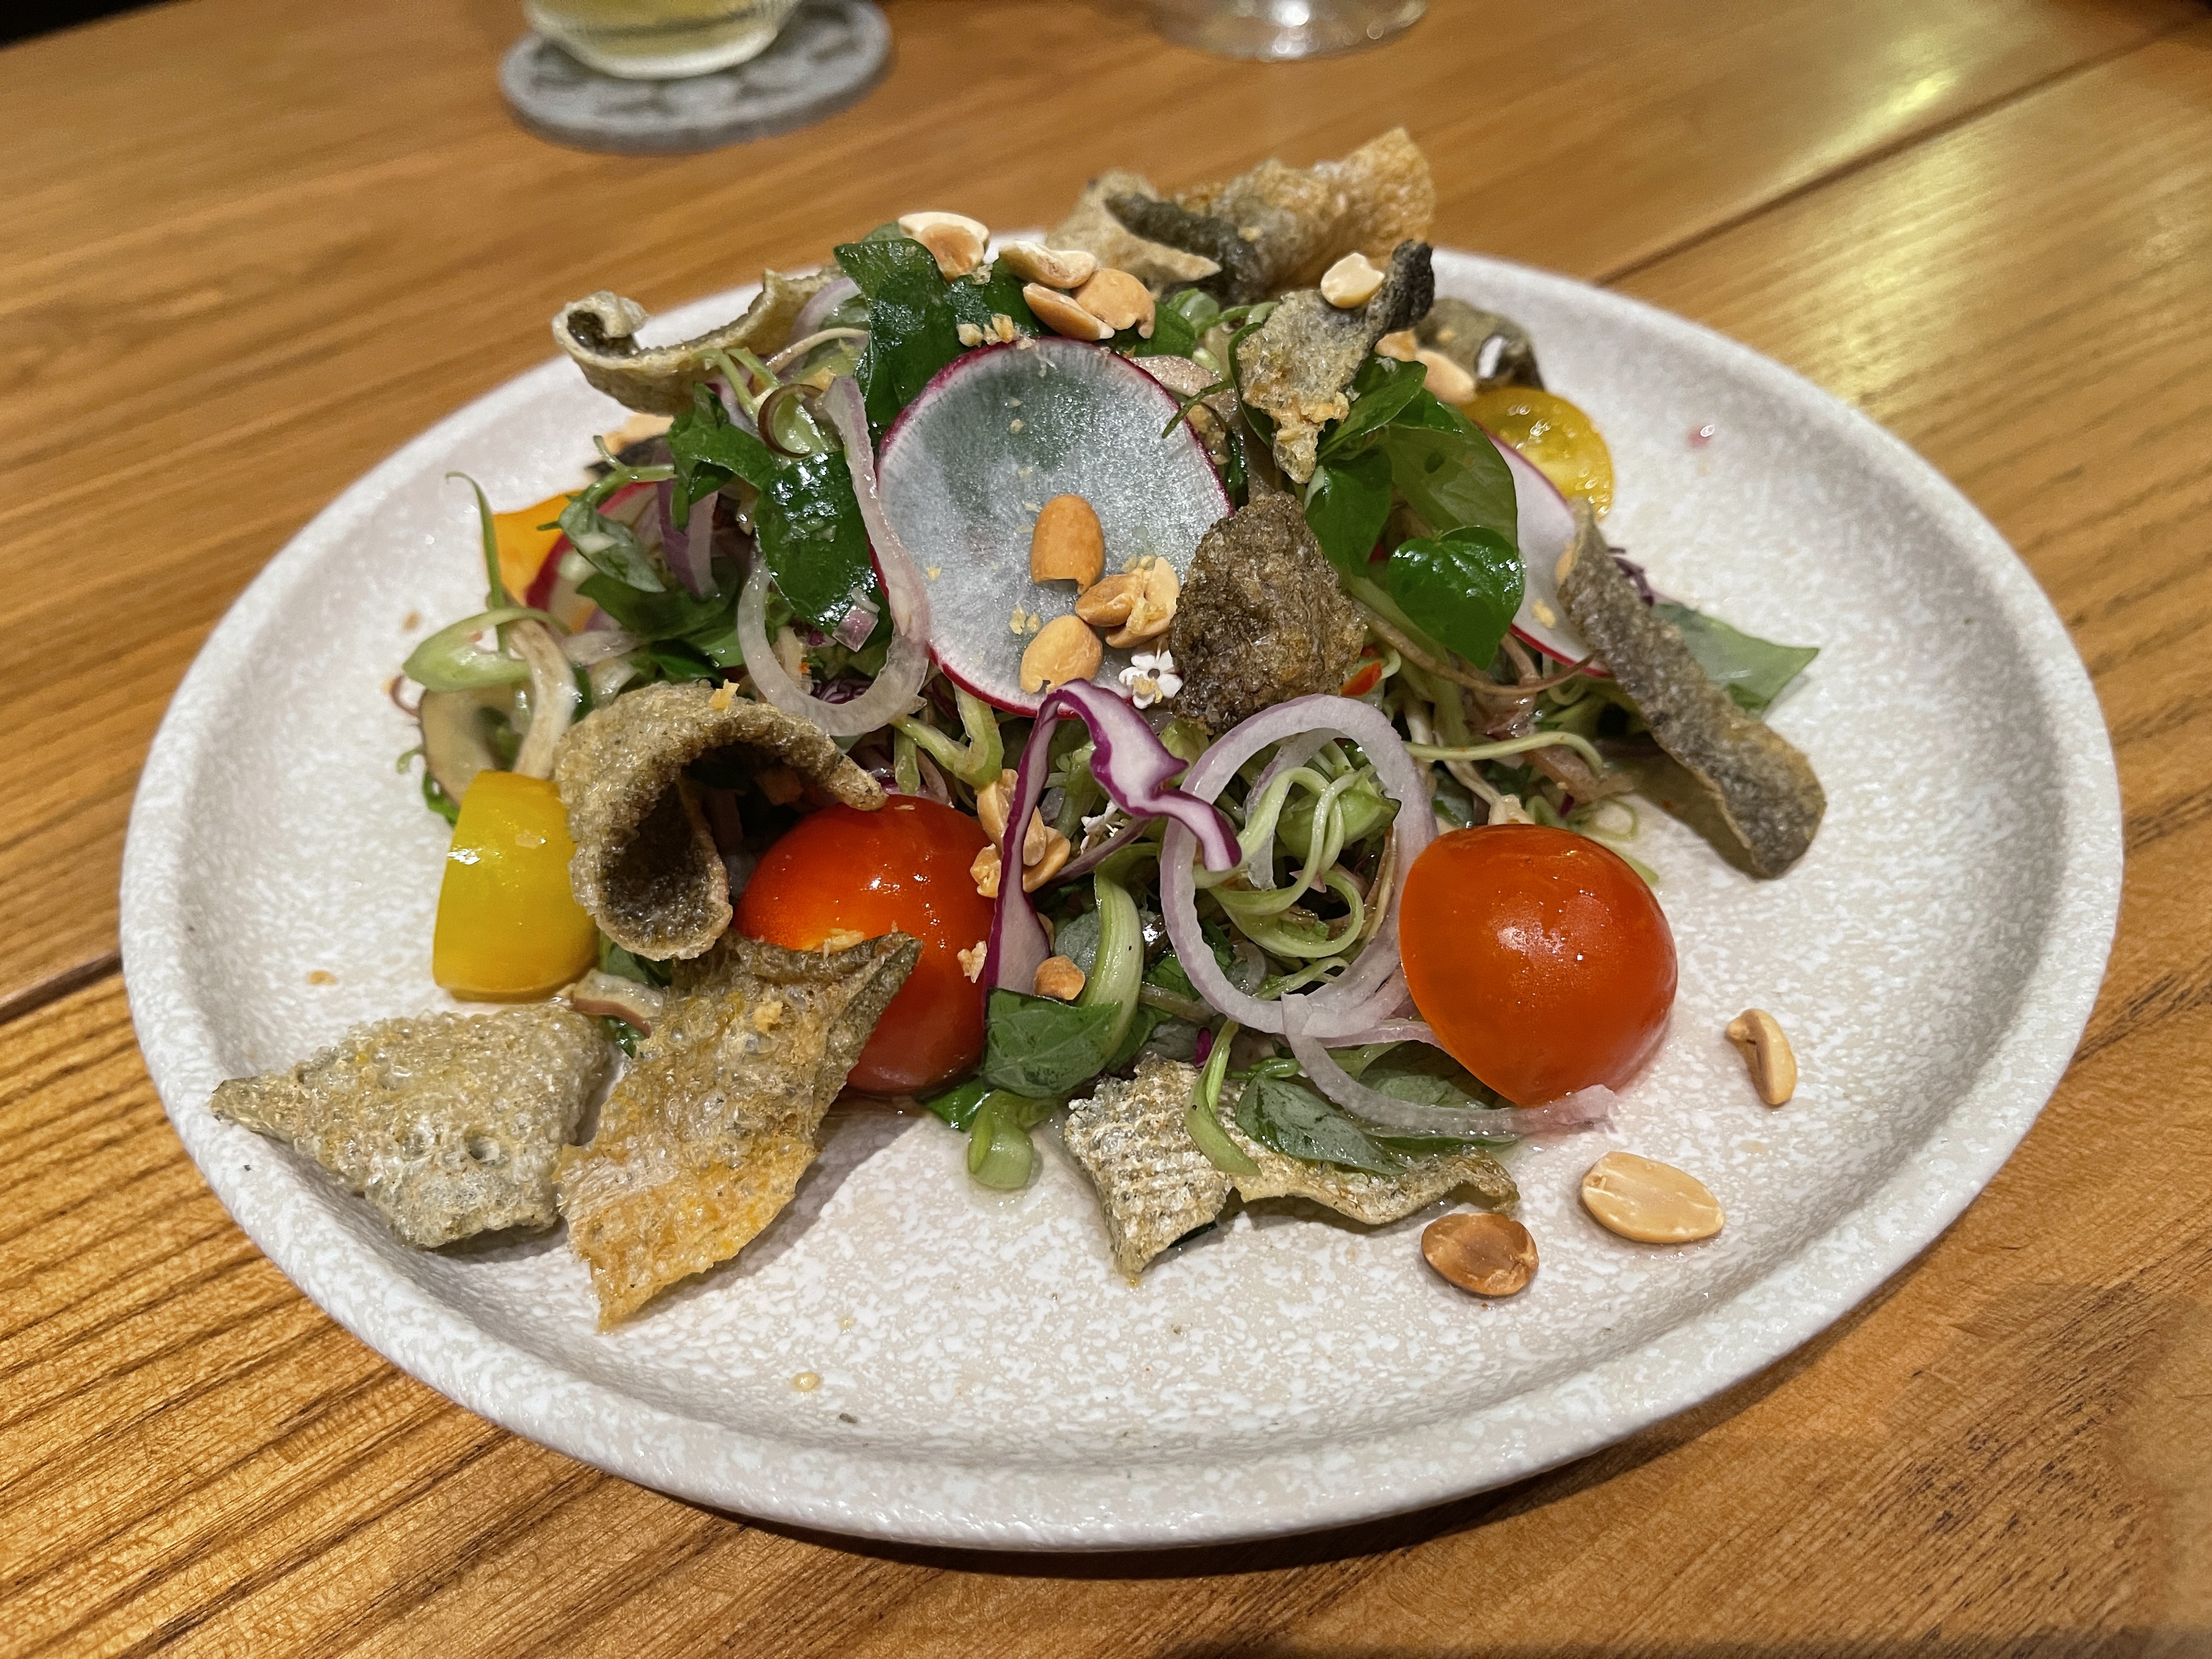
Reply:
x=912, y=330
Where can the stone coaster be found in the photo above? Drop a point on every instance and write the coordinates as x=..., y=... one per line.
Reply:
x=828, y=56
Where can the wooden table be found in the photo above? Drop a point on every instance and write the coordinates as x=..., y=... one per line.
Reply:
x=252, y=244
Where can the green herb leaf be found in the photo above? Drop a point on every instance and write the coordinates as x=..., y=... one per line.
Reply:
x=1448, y=471
x=958, y=1105
x=611, y=546
x=912, y=330
x=1415, y=1071
x=1348, y=504
x=670, y=614
x=998, y=295
x=810, y=530
x=1463, y=586
x=1380, y=393
x=1172, y=336
x=1036, y=1046
x=1755, y=671
x=1294, y=1118
x=709, y=449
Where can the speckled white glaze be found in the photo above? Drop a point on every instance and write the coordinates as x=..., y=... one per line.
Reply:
x=986, y=1379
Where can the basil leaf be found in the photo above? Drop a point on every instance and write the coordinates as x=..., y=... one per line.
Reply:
x=912, y=330
x=1037, y=1047
x=1430, y=1077
x=1755, y=671
x=809, y=528
x=998, y=296
x=670, y=614
x=1462, y=588
x=1293, y=1118
x=1380, y=392
x=1348, y=504
x=1448, y=471
x=709, y=449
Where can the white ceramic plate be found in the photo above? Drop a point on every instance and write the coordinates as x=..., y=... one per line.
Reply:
x=986, y=1378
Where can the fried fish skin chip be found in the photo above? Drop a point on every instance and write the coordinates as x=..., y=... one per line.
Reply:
x=1764, y=784
x=1461, y=331
x=599, y=331
x=1154, y=1184
x=646, y=867
x=704, y=1139
x=1300, y=221
x=1240, y=279
x=1093, y=227
x=1298, y=365
x=449, y=1124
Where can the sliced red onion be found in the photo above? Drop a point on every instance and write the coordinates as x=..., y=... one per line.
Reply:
x=907, y=664
x=687, y=547
x=1085, y=862
x=853, y=630
x=824, y=300
x=1364, y=993
x=1574, y=1111
x=1137, y=771
x=596, y=644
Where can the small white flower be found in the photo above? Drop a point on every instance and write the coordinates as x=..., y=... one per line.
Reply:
x=1152, y=678
x=1099, y=825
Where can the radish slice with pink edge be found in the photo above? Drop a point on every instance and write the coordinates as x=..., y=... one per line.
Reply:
x=997, y=434
x=1546, y=529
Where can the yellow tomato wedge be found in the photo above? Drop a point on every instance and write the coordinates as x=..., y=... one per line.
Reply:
x=509, y=927
x=1558, y=437
x=523, y=545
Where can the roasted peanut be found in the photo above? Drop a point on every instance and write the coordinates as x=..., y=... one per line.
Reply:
x=1767, y=1052
x=1451, y=383
x=1650, y=1203
x=985, y=870
x=1107, y=602
x=1062, y=315
x=1065, y=649
x=1119, y=301
x=993, y=802
x=1489, y=1254
x=1351, y=280
x=1404, y=345
x=1035, y=837
x=1058, y=978
x=1047, y=862
x=972, y=959
x=954, y=241
x=1066, y=544
x=1152, y=609
x=1054, y=267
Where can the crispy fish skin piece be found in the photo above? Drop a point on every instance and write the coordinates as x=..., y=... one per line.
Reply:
x=1764, y=786
x=1261, y=619
x=1299, y=366
x=1472, y=1174
x=600, y=332
x=703, y=1141
x=1464, y=333
x=1300, y=221
x=1240, y=279
x=1154, y=1184
x=646, y=867
x=1093, y=228
x=449, y=1124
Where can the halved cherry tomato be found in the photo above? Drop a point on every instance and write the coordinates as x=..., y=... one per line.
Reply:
x=843, y=870
x=1563, y=442
x=1539, y=957
x=508, y=926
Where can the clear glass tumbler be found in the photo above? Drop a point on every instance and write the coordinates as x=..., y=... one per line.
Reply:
x=1283, y=28
x=660, y=40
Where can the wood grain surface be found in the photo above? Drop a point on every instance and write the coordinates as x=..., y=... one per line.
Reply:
x=256, y=245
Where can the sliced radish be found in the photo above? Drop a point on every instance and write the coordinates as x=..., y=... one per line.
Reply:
x=997, y=434
x=1546, y=531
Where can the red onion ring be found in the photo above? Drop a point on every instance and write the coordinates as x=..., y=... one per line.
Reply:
x=907, y=664
x=1137, y=771
x=1574, y=1111
x=1356, y=999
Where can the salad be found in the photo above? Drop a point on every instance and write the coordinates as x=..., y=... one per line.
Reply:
x=1167, y=679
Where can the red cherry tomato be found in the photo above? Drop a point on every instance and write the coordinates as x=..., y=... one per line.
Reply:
x=904, y=867
x=1539, y=957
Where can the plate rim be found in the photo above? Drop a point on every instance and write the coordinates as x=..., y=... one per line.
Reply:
x=1063, y=1507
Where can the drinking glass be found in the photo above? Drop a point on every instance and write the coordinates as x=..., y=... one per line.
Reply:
x=660, y=40
x=1283, y=28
